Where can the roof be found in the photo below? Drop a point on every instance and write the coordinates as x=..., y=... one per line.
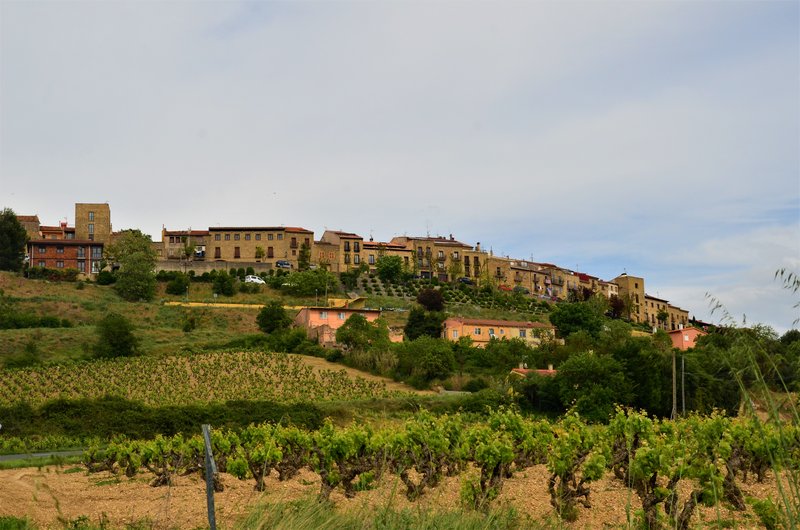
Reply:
x=655, y=298
x=340, y=309
x=687, y=328
x=258, y=229
x=393, y=246
x=526, y=371
x=438, y=240
x=505, y=323
x=186, y=232
x=346, y=235
x=62, y=242
x=28, y=218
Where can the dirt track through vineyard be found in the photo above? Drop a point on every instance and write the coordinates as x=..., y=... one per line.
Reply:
x=50, y=495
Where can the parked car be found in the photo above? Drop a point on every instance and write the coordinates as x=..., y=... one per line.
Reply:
x=283, y=264
x=466, y=281
x=250, y=278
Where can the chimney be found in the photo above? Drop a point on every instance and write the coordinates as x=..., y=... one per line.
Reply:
x=478, y=246
x=452, y=238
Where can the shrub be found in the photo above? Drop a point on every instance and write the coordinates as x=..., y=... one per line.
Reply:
x=224, y=284
x=423, y=360
x=106, y=278
x=431, y=299
x=115, y=337
x=178, y=285
x=475, y=385
x=273, y=317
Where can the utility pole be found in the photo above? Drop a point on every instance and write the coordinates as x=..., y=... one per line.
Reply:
x=674, y=388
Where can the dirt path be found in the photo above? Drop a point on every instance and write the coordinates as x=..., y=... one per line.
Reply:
x=51, y=495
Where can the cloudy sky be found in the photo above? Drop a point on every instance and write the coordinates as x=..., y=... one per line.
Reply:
x=657, y=138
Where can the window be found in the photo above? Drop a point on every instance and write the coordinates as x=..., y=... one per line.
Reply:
x=294, y=242
x=236, y=237
x=294, y=252
x=341, y=316
x=356, y=259
x=441, y=254
x=227, y=237
x=371, y=259
x=97, y=252
x=323, y=315
x=455, y=255
x=636, y=285
x=356, y=246
x=81, y=252
x=347, y=258
x=217, y=252
x=258, y=237
x=70, y=235
x=236, y=253
x=270, y=236
x=523, y=333
x=491, y=332
x=216, y=237
x=95, y=267
x=42, y=250
x=502, y=332
x=41, y=264
x=270, y=253
x=247, y=237
x=307, y=241
x=406, y=259
x=280, y=237
x=91, y=216
x=477, y=331
x=347, y=246
x=172, y=239
x=82, y=266
x=455, y=333
x=60, y=264
x=91, y=228
x=59, y=250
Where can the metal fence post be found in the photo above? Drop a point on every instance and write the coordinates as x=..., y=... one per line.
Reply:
x=211, y=474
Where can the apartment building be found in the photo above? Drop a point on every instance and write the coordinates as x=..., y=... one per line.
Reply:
x=339, y=251
x=373, y=250
x=481, y=331
x=70, y=247
x=265, y=244
x=676, y=318
x=173, y=244
x=442, y=258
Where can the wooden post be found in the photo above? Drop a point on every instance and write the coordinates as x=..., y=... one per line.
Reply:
x=211, y=474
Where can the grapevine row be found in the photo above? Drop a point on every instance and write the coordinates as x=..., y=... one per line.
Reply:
x=650, y=456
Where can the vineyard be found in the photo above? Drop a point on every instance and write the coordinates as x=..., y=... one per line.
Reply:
x=177, y=380
x=670, y=467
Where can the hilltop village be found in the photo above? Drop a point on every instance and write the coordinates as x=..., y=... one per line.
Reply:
x=265, y=248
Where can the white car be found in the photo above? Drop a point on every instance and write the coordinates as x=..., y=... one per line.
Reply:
x=253, y=279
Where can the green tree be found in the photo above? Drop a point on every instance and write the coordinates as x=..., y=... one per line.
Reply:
x=309, y=283
x=13, y=239
x=224, y=284
x=304, y=257
x=260, y=253
x=178, y=285
x=592, y=385
x=662, y=316
x=359, y=334
x=133, y=252
x=424, y=360
x=115, y=337
x=390, y=268
x=273, y=317
x=455, y=269
x=423, y=323
x=431, y=299
x=576, y=316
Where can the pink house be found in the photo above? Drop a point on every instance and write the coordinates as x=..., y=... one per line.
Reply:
x=321, y=323
x=685, y=338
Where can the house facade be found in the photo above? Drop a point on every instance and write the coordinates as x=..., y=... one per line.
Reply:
x=481, y=331
x=685, y=338
x=321, y=323
x=270, y=244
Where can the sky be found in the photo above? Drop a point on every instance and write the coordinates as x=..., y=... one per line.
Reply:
x=661, y=139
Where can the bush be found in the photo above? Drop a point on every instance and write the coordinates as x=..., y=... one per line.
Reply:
x=224, y=284
x=53, y=275
x=178, y=285
x=475, y=385
x=431, y=299
x=106, y=278
x=115, y=337
x=273, y=317
x=423, y=360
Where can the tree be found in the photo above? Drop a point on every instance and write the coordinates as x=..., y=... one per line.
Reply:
x=133, y=252
x=423, y=360
x=13, y=239
x=592, y=384
x=423, y=323
x=572, y=317
x=304, y=257
x=178, y=285
x=431, y=299
x=455, y=269
x=273, y=317
x=390, y=268
x=309, y=283
x=260, y=253
x=616, y=307
x=359, y=334
x=224, y=284
x=115, y=337
x=662, y=316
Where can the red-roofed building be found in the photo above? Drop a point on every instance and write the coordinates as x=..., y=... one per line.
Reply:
x=321, y=323
x=481, y=331
x=444, y=258
x=339, y=251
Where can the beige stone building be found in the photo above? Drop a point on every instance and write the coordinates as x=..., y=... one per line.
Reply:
x=93, y=222
x=631, y=289
x=173, y=244
x=481, y=331
x=270, y=244
x=339, y=251
x=443, y=258
x=374, y=250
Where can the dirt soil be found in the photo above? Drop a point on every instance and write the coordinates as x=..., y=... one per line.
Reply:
x=50, y=496
x=319, y=364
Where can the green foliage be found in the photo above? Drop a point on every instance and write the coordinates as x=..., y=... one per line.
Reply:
x=591, y=385
x=577, y=316
x=390, y=268
x=13, y=239
x=359, y=334
x=273, y=317
x=11, y=317
x=423, y=323
x=115, y=337
x=423, y=360
x=106, y=278
x=178, y=285
x=431, y=299
x=134, y=253
x=309, y=283
x=224, y=284
x=53, y=275
x=304, y=257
